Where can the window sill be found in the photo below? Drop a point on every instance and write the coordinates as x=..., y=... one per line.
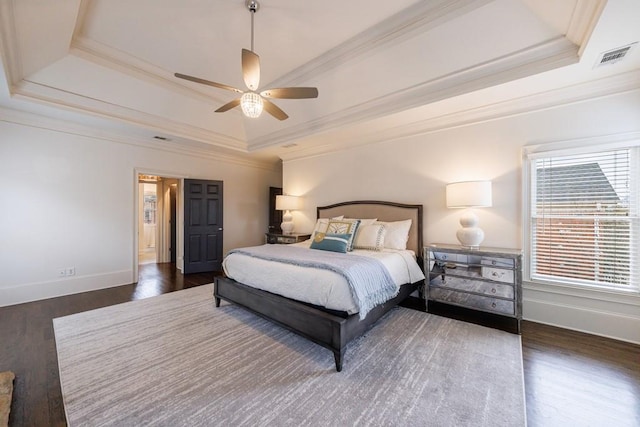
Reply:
x=620, y=296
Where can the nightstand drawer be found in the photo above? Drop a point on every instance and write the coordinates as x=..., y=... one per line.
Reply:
x=286, y=239
x=498, y=274
x=476, y=286
x=472, y=301
x=497, y=262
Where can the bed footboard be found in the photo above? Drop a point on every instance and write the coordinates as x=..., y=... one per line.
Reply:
x=328, y=330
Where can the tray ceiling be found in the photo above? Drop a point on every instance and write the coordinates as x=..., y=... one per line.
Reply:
x=110, y=63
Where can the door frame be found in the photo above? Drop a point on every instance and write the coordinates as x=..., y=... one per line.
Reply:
x=179, y=213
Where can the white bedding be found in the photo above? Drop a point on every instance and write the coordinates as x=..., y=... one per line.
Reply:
x=317, y=286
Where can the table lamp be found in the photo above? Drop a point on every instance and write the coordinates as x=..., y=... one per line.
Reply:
x=469, y=195
x=287, y=204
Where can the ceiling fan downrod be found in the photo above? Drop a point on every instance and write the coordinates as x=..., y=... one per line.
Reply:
x=253, y=7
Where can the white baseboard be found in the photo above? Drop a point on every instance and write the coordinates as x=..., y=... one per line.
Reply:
x=56, y=288
x=606, y=323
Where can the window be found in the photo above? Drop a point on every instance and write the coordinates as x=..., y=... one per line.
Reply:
x=583, y=217
x=150, y=208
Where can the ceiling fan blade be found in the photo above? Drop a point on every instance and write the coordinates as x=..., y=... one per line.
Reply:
x=251, y=69
x=207, y=82
x=291, y=93
x=274, y=110
x=228, y=106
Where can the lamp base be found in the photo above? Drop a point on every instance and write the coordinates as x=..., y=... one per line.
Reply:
x=287, y=223
x=470, y=235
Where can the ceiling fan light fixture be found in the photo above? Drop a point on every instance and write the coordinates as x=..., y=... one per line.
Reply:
x=251, y=104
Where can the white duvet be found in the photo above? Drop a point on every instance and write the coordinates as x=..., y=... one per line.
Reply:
x=313, y=285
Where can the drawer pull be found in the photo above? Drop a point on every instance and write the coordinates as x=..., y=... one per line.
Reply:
x=493, y=290
x=493, y=305
x=493, y=262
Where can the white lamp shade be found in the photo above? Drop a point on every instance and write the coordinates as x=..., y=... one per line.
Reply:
x=469, y=194
x=288, y=203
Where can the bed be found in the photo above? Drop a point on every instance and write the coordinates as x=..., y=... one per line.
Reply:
x=330, y=328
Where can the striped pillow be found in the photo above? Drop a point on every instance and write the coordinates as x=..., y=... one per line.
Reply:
x=370, y=237
x=330, y=242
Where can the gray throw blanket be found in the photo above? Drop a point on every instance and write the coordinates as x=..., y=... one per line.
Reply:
x=369, y=280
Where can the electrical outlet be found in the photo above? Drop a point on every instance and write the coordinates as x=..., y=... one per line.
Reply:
x=62, y=272
x=71, y=271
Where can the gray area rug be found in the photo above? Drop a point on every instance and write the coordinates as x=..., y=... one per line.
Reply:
x=176, y=360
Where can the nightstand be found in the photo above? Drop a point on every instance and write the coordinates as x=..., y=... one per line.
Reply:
x=482, y=285
x=285, y=239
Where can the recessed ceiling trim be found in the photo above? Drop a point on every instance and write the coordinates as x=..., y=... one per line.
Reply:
x=556, y=98
x=542, y=57
x=103, y=55
x=37, y=121
x=414, y=20
x=75, y=102
x=585, y=17
x=83, y=10
x=10, y=52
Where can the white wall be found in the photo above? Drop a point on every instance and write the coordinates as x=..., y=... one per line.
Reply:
x=68, y=201
x=416, y=169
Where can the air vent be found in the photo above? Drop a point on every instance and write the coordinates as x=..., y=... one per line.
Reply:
x=616, y=55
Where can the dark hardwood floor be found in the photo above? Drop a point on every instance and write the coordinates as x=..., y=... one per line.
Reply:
x=571, y=378
x=27, y=344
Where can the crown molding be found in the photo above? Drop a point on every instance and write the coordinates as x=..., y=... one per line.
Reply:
x=583, y=21
x=552, y=99
x=9, y=44
x=399, y=27
x=122, y=62
x=533, y=60
x=71, y=101
x=419, y=18
x=56, y=125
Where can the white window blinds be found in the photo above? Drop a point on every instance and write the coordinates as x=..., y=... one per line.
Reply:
x=584, y=218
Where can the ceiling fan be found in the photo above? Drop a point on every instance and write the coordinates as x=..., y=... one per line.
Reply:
x=252, y=102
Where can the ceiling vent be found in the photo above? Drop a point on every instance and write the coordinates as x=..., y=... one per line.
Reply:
x=615, y=55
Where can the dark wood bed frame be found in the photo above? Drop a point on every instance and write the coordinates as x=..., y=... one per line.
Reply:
x=328, y=328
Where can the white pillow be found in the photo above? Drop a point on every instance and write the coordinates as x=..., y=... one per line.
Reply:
x=397, y=234
x=370, y=237
x=366, y=221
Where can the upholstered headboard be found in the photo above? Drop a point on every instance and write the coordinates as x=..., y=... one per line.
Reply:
x=384, y=211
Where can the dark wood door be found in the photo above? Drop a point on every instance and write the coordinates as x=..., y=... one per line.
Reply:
x=275, y=216
x=202, y=226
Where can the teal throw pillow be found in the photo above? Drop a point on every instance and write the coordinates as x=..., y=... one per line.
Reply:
x=331, y=242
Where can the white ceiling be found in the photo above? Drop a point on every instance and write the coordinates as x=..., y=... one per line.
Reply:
x=384, y=69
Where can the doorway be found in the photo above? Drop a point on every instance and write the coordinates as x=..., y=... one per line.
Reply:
x=157, y=219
